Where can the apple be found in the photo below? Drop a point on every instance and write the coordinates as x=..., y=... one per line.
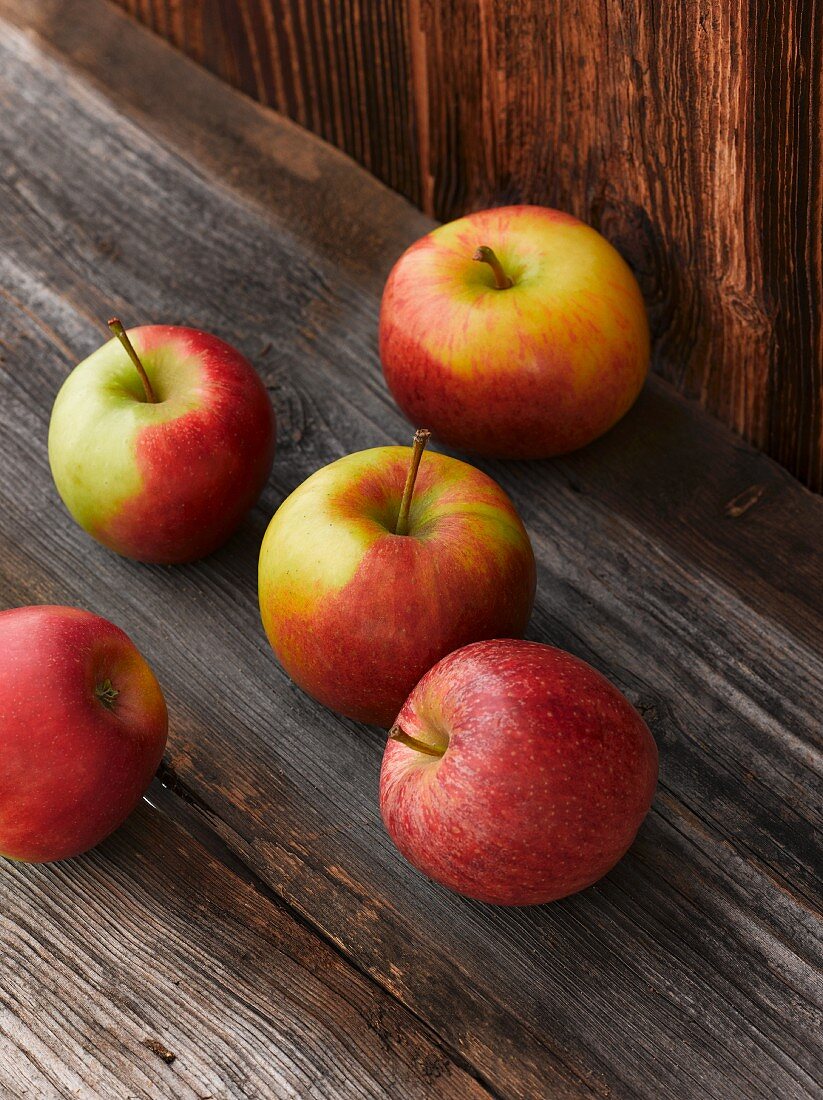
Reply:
x=381, y=563
x=517, y=332
x=516, y=773
x=161, y=441
x=82, y=731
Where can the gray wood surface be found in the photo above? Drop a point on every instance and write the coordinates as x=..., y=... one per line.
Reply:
x=149, y=968
x=670, y=555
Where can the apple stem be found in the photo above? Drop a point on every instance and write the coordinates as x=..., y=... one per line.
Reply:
x=396, y=734
x=421, y=438
x=117, y=328
x=485, y=255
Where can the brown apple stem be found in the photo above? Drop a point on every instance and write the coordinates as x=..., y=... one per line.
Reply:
x=121, y=334
x=396, y=734
x=421, y=438
x=485, y=255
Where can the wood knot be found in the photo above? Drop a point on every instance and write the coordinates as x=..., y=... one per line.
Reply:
x=744, y=501
x=156, y=1047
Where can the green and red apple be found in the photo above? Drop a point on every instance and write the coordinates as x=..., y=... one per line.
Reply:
x=161, y=441
x=518, y=332
x=82, y=731
x=381, y=563
x=516, y=773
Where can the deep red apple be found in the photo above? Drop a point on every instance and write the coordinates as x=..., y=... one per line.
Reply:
x=517, y=332
x=516, y=773
x=82, y=731
x=161, y=441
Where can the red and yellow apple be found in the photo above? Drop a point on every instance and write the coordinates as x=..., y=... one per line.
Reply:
x=161, y=441
x=371, y=571
x=517, y=332
x=82, y=731
x=516, y=773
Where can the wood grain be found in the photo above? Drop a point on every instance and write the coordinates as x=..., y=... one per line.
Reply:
x=148, y=969
x=137, y=183
x=691, y=135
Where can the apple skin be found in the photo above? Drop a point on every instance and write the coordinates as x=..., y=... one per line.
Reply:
x=547, y=773
x=535, y=370
x=73, y=768
x=355, y=613
x=166, y=482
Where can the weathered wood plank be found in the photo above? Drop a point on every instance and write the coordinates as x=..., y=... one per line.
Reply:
x=139, y=184
x=147, y=969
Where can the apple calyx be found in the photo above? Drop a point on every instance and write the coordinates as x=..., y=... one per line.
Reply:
x=106, y=693
x=485, y=255
x=421, y=438
x=397, y=734
x=117, y=328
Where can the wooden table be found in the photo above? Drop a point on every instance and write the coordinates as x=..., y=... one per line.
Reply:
x=251, y=932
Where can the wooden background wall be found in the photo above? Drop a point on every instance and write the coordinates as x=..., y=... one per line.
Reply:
x=688, y=131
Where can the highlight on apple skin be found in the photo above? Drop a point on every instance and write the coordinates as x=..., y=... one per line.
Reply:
x=355, y=611
x=160, y=455
x=517, y=332
x=83, y=727
x=516, y=774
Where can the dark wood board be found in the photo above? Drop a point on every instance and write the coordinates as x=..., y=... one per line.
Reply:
x=672, y=556
x=691, y=134
x=147, y=968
